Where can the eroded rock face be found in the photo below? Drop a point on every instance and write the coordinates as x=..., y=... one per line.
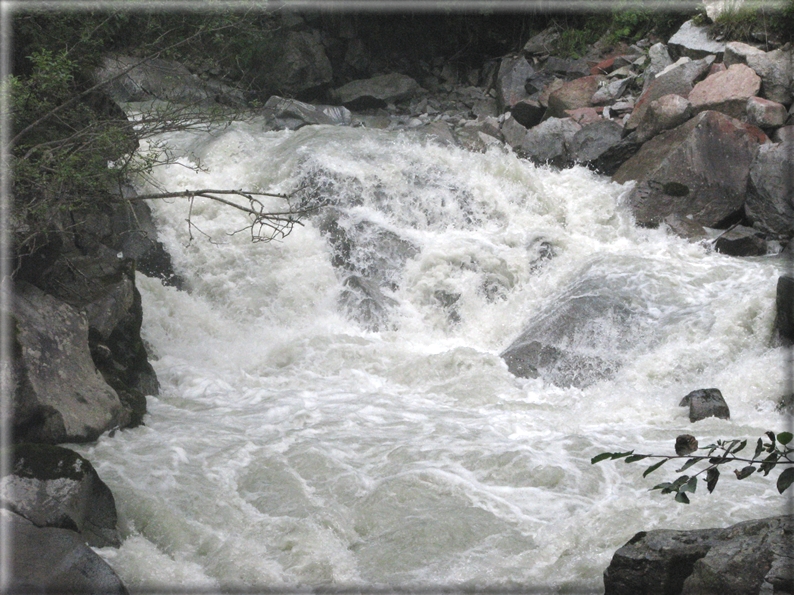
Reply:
x=302, y=67
x=49, y=560
x=55, y=487
x=770, y=193
x=693, y=41
x=700, y=169
x=60, y=396
x=752, y=557
x=510, y=80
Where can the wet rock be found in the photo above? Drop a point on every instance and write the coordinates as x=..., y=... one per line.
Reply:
x=580, y=339
x=684, y=227
x=741, y=241
x=765, y=113
x=362, y=300
x=662, y=114
x=776, y=68
x=752, y=557
x=48, y=560
x=513, y=74
x=726, y=91
x=291, y=114
x=573, y=94
x=549, y=141
x=610, y=160
x=770, y=192
x=53, y=486
x=678, y=80
x=593, y=140
x=59, y=395
x=676, y=174
x=703, y=403
x=378, y=91
x=693, y=41
x=161, y=79
x=528, y=112
x=784, y=309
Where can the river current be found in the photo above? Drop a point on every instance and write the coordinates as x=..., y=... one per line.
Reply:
x=334, y=410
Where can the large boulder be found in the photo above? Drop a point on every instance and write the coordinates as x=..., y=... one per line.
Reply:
x=699, y=169
x=741, y=241
x=49, y=560
x=664, y=113
x=132, y=79
x=752, y=557
x=765, y=114
x=593, y=140
x=776, y=68
x=658, y=60
x=291, y=114
x=301, y=68
x=574, y=94
x=770, y=193
x=377, y=91
x=726, y=91
x=59, y=394
x=784, y=309
x=548, y=142
x=53, y=486
x=693, y=41
x=676, y=79
x=583, y=336
x=510, y=80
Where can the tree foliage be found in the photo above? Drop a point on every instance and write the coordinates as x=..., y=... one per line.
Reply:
x=768, y=455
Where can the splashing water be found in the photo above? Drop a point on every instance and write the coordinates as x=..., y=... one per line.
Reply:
x=334, y=410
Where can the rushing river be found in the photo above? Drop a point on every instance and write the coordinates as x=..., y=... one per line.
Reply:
x=334, y=410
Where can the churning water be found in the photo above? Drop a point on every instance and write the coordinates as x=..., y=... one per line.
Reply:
x=334, y=410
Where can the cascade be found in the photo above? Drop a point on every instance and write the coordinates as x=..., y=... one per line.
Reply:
x=341, y=407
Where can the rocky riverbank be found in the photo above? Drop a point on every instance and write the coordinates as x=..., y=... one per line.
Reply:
x=704, y=128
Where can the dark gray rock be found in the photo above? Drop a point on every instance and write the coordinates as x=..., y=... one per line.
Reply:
x=610, y=160
x=549, y=141
x=741, y=241
x=752, y=557
x=784, y=308
x=292, y=114
x=770, y=192
x=693, y=41
x=301, y=67
x=161, y=79
x=528, y=112
x=706, y=402
x=48, y=560
x=510, y=80
x=543, y=43
x=582, y=337
x=53, y=486
x=377, y=91
x=59, y=395
x=700, y=169
x=658, y=60
x=685, y=227
x=593, y=140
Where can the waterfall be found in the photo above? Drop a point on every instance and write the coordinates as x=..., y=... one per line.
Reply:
x=335, y=407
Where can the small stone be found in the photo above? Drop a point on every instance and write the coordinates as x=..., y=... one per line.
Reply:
x=685, y=444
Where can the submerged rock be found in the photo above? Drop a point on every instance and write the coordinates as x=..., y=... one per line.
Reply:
x=784, y=308
x=752, y=557
x=706, y=402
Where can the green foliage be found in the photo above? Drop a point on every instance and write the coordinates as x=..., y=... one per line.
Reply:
x=767, y=456
x=755, y=20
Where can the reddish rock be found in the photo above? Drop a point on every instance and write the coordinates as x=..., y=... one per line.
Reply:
x=573, y=94
x=678, y=81
x=604, y=67
x=776, y=68
x=584, y=115
x=765, y=113
x=698, y=170
x=665, y=113
x=727, y=91
x=717, y=67
x=554, y=85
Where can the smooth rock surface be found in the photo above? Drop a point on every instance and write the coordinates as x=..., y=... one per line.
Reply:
x=765, y=113
x=693, y=41
x=377, y=91
x=726, y=91
x=664, y=113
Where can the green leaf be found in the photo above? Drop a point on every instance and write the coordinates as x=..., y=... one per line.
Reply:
x=635, y=458
x=665, y=487
x=712, y=476
x=769, y=463
x=742, y=444
x=688, y=464
x=676, y=485
x=785, y=480
x=654, y=467
x=620, y=455
x=759, y=447
x=690, y=486
x=785, y=437
x=745, y=472
x=602, y=457
x=682, y=498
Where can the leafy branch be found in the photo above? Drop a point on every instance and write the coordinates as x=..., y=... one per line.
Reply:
x=766, y=457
